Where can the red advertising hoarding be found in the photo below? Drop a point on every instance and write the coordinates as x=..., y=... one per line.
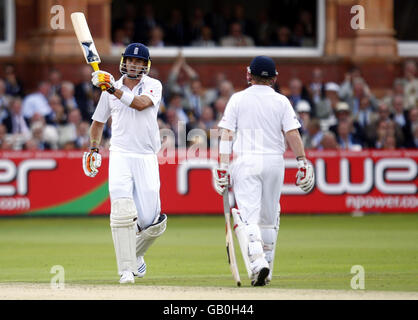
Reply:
x=53, y=182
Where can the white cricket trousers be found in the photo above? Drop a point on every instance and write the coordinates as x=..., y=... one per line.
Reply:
x=136, y=176
x=257, y=181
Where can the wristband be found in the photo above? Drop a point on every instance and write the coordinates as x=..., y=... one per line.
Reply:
x=127, y=98
x=111, y=90
x=94, y=150
x=225, y=147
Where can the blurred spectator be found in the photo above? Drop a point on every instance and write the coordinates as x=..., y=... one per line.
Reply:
x=346, y=139
x=197, y=98
x=219, y=106
x=283, y=38
x=410, y=83
x=226, y=89
x=83, y=136
x=177, y=127
x=360, y=90
x=329, y=141
x=400, y=115
x=119, y=41
x=238, y=16
x=37, y=141
x=389, y=143
x=3, y=137
x=55, y=79
x=4, y=100
x=197, y=22
x=37, y=102
x=236, y=37
x=317, y=86
x=298, y=92
x=343, y=113
x=175, y=29
x=205, y=38
x=14, y=86
x=265, y=28
x=68, y=131
x=326, y=108
x=413, y=142
x=303, y=111
x=15, y=122
x=365, y=113
x=306, y=20
x=412, y=120
x=58, y=115
x=346, y=87
x=179, y=78
x=85, y=92
x=176, y=104
x=384, y=129
x=145, y=23
x=207, y=119
x=314, y=134
x=67, y=95
x=397, y=89
x=156, y=38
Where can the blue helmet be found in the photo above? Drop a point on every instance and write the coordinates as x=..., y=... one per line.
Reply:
x=135, y=50
x=262, y=66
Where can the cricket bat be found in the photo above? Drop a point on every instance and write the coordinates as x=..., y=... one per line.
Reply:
x=229, y=240
x=85, y=40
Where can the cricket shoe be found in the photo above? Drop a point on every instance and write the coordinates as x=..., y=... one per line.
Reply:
x=127, y=277
x=142, y=267
x=259, y=279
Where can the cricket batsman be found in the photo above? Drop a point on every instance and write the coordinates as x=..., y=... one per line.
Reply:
x=134, y=183
x=261, y=121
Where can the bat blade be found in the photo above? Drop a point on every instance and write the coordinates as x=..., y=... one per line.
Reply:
x=230, y=250
x=84, y=37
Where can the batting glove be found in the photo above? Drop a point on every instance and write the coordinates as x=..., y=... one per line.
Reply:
x=221, y=179
x=103, y=79
x=91, y=161
x=305, y=177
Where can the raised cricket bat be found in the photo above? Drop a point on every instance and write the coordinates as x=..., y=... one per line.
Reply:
x=229, y=240
x=85, y=40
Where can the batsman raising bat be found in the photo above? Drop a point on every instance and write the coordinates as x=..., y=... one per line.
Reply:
x=260, y=120
x=134, y=182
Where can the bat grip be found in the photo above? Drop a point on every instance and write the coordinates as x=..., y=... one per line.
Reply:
x=95, y=67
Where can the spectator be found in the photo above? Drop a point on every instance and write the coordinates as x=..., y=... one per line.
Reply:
x=412, y=120
x=197, y=22
x=205, y=38
x=400, y=115
x=176, y=104
x=207, y=120
x=197, y=98
x=16, y=123
x=283, y=38
x=37, y=141
x=145, y=23
x=85, y=92
x=219, y=106
x=314, y=134
x=175, y=30
x=55, y=79
x=329, y=141
x=58, y=115
x=346, y=139
x=365, y=113
x=306, y=20
x=326, y=108
x=238, y=16
x=397, y=89
x=177, y=127
x=156, y=38
x=236, y=37
x=346, y=87
x=83, y=136
x=4, y=139
x=298, y=92
x=317, y=86
x=119, y=41
x=67, y=96
x=303, y=110
x=360, y=90
x=389, y=143
x=384, y=130
x=410, y=83
x=4, y=100
x=37, y=102
x=343, y=114
x=14, y=86
x=265, y=28
x=413, y=143
x=68, y=131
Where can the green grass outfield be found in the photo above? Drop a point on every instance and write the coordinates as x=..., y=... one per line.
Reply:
x=313, y=252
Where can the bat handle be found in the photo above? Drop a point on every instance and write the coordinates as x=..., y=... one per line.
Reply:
x=95, y=67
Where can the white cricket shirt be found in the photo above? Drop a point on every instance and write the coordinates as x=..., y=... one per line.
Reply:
x=132, y=130
x=258, y=115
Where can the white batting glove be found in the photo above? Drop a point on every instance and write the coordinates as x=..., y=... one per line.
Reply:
x=221, y=179
x=103, y=79
x=305, y=178
x=91, y=161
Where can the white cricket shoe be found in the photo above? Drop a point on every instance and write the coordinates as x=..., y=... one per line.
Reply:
x=142, y=267
x=260, y=273
x=127, y=277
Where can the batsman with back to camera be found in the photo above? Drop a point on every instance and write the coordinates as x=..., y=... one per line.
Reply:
x=134, y=184
x=261, y=120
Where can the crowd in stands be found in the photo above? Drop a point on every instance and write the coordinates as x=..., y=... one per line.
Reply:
x=227, y=26
x=333, y=115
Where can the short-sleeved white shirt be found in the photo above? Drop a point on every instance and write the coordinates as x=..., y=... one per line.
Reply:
x=259, y=116
x=133, y=131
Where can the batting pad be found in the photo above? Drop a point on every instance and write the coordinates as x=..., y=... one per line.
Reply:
x=269, y=236
x=145, y=238
x=122, y=222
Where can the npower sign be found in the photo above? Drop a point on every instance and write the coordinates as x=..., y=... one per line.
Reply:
x=54, y=183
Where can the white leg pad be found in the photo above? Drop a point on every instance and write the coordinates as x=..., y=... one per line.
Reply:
x=251, y=244
x=145, y=238
x=122, y=223
x=269, y=236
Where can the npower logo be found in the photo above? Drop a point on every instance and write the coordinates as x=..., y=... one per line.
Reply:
x=10, y=172
x=389, y=176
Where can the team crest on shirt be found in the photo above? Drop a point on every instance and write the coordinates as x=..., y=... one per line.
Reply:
x=139, y=90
